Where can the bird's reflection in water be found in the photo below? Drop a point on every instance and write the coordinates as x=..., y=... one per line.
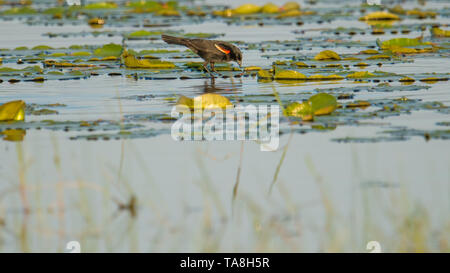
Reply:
x=223, y=86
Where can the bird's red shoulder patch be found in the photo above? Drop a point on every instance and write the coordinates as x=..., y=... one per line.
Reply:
x=221, y=49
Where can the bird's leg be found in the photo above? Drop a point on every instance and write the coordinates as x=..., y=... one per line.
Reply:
x=214, y=69
x=206, y=68
x=242, y=69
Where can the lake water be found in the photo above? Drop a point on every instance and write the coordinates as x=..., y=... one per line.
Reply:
x=154, y=194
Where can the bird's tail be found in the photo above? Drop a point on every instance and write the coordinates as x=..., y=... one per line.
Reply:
x=173, y=40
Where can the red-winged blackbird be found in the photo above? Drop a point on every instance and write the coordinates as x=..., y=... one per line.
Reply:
x=211, y=51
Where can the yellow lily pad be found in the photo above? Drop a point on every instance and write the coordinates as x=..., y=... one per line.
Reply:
x=22, y=10
x=379, y=15
x=302, y=110
x=379, y=57
x=42, y=47
x=433, y=79
x=252, y=68
x=35, y=68
x=223, y=13
x=109, y=58
x=58, y=54
x=406, y=79
x=270, y=8
x=440, y=32
x=12, y=111
x=65, y=64
x=358, y=104
x=421, y=14
x=143, y=33
x=108, y=50
x=327, y=55
x=397, y=9
x=290, y=13
x=101, y=5
x=404, y=50
x=402, y=42
x=185, y=101
x=131, y=62
x=301, y=64
x=369, y=52
x=264, y=75
x=168, y=13
x=361, y=64
x=96, y=21
x=196, y=13
x=38, y=79
x=205, y=101
x=247, y=9
x=319, y=77
x=377, y=31
x=360, y=74
x=290, y=6
x=334, y=65
x=289, y=75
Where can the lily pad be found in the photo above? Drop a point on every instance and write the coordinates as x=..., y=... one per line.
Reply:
x=12, y=111
x=264, y=75
x=101, y=5
x=327, y=55
x=270, y=8
x=360, y=74
x=323, y=104
x=402, y=42
x=302, y=110
x=131, y=62
x=205, y=101
x=247, y=9
x=289, y=75
x=109, y=50
x=379, y=16
x=317, y=105
x=437, y=32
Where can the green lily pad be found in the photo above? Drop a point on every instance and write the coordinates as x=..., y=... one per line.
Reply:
x=109, y=50
x=289, y=75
